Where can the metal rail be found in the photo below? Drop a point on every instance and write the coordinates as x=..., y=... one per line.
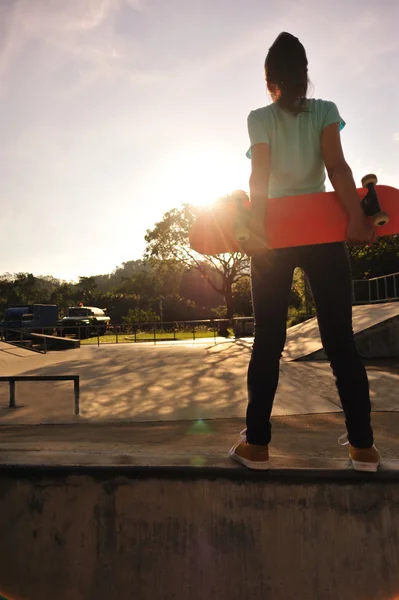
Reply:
x=13, y=378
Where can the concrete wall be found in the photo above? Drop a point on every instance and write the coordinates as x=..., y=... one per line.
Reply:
x=94, y=538
x=379, y=341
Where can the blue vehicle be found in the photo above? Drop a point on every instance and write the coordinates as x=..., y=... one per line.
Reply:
x=34, y=318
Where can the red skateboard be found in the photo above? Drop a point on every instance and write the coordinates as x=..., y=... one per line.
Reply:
x=294, y=220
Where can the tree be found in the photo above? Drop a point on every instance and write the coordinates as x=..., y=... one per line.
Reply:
x=63, y=294
x=25, y=288
x=195, y=287
x=381, y=258
x=138, y=315
x=169, y=241
x=301, y=297
x=87, y=287
x=109, y=281
x=242, y=297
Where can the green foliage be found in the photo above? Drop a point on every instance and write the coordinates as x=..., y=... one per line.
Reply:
x=128, y=269
x=219, y=312
x=381, y=258
x=296, y=316
x=138, y=315
x=169, y=238
x=88, y=290
x=301, y=297
x=242, y=297
x=243, y=302
x=178, y=308
x=141, y=289
x=25, y=288
x=296, y=300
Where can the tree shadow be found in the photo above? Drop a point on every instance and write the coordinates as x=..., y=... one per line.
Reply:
x=167, y=383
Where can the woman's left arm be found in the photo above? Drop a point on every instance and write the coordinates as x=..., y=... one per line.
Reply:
x=259, y=179
x=258, y=192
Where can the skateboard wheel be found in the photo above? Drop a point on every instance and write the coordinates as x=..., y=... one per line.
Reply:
x=370, y=178
x=380, y=219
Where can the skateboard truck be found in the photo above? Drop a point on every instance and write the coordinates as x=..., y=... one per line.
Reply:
x=370, y=203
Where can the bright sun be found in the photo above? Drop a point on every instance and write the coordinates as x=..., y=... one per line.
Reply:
x=200, y=178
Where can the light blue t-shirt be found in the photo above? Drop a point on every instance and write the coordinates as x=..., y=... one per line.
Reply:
x=297, y=165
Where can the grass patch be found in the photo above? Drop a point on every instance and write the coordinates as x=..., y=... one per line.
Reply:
x=148, y=336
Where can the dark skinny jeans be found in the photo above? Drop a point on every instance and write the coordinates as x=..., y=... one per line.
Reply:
x=328, y=271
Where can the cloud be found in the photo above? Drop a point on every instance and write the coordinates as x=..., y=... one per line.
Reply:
x=86, y=14
x=81, y=31
x=395, y=136
x=137, y=4
x=338, y=38
x=11, y=42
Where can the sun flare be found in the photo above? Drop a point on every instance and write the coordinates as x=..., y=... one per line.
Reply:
x=199, y=178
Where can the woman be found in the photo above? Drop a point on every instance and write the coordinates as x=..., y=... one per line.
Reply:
x=293, y=141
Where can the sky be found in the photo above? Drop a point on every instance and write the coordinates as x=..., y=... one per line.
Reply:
x=112, y=112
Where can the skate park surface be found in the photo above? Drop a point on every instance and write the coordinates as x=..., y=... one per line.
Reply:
x=187, y=381
x=137, y=497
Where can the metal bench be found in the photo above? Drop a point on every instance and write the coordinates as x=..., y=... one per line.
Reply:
x=13, y=378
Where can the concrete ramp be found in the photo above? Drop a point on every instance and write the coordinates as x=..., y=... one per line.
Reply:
x=376, y=328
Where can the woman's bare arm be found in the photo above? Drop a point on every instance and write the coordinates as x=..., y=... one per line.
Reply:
x=258, y=191
x=259, y=179
x=339, y=172
x=359, y=229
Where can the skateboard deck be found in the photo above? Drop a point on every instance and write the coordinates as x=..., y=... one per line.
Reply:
x=292, y=221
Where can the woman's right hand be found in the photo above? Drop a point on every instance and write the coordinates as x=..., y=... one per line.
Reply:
x=257, y=242
x=360, y=230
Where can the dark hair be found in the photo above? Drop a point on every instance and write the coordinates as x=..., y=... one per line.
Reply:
x=286, y=66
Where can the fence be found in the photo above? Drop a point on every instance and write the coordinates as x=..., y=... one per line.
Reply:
x=154, y=332
x=139, y=332
x=377, y=289
x=367, y=291
x=21, y=338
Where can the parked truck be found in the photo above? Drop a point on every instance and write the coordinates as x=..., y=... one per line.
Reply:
x=32, y=318
x=84, y=321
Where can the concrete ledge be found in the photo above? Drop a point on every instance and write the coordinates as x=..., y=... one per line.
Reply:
x=55, y=342
x=303, y=446
x=50, y=469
